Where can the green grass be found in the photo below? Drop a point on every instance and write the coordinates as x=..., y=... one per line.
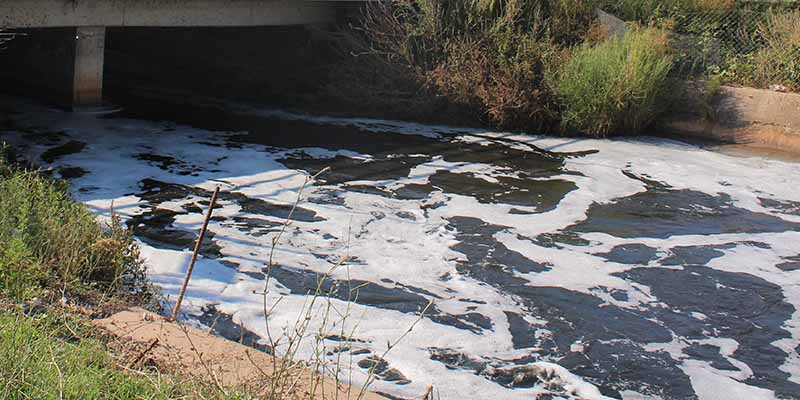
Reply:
x=47, y=240
x=41, y=359
x=52, y=246
x=616, y=87
x=36, y=363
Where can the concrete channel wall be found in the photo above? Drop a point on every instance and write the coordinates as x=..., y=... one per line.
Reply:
x=755, y=117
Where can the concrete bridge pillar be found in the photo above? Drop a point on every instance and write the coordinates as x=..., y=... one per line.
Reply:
x=87, y=83
x=64, y=65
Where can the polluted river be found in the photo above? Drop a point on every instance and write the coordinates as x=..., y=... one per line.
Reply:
x=489, y=265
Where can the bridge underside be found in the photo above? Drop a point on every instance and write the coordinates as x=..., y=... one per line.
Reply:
x=162, y=13
x=80, y=50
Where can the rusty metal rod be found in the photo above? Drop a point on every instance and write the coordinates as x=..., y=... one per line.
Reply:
x=197, y=245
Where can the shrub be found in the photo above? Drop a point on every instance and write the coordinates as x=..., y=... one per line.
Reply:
x=47, y=239
x=618, y=86
x=499, y=73
x=476, y=61
x=509, y=93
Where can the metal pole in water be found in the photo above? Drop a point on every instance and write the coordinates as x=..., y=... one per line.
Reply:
x=199, y=242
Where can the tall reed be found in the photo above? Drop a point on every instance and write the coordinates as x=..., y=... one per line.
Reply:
x=616, y=87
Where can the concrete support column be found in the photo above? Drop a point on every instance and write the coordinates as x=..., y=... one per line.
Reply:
x=87, y=84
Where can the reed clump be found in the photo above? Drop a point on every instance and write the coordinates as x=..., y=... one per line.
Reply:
x=617, y=86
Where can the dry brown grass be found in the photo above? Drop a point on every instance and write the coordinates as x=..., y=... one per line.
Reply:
x=776, y=62
x=509, y=94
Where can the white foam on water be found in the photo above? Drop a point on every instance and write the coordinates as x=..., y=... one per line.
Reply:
x=710, y=384
x=398, y=252
x=551, y=374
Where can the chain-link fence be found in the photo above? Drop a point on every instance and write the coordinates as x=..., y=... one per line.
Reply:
x=753, y=43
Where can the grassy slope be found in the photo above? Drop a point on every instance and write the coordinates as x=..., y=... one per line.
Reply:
x=53, y=355
x=51, y=248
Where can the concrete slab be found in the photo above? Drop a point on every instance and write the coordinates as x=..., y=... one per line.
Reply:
x=747, y=116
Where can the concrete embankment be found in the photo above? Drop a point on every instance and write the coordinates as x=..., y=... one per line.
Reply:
x=738, y=115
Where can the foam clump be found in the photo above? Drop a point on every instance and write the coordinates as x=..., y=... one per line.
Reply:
x=546, y=378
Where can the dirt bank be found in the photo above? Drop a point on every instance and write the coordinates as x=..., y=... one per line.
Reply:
x=229, y=364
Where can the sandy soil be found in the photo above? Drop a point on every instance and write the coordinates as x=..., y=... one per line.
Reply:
x=199, y=354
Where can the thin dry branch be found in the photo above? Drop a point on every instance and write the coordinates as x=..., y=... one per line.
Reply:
x=143, y=352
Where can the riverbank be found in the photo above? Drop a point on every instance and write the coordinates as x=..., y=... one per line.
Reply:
x=735, y=120
x=67, y=287
x=58, y=270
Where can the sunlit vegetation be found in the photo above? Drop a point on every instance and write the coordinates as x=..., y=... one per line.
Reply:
x=549, y=66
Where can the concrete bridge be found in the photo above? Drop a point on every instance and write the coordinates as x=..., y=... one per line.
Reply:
x=88, y=20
